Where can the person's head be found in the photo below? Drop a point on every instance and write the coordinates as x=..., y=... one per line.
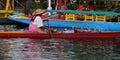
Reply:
x=91, y=2
x=80, y=3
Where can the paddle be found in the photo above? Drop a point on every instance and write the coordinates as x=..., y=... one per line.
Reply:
x=49, y=29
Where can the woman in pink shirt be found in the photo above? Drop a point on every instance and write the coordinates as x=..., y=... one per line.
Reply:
x=36, y=24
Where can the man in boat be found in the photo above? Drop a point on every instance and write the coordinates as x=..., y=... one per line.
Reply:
x=36, y=24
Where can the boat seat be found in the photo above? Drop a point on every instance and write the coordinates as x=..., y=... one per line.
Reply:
x=88, y=17
x=82, y=16
x=109, y=18
x=100, y=18
x=70, y=16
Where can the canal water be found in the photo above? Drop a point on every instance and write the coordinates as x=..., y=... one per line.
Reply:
x=57, y=49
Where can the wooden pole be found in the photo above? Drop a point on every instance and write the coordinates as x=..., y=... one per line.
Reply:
x=5, y=28
x=65, y=6
x=6, y=7
x=60, y=4
x=59, y=7
x=7, y=4
x=13, y=4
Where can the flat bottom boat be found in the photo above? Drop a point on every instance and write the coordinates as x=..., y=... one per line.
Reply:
x=81, y=35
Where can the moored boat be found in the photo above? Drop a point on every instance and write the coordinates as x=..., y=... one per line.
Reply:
x=61, y=23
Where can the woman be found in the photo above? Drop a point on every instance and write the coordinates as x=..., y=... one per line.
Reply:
x=36, y=24
x=80, y=7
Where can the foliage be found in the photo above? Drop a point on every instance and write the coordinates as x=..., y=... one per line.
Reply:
x=42, y=4
x=73, y=6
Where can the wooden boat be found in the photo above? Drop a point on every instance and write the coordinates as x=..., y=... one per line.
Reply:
x=104, y=30
x=60, y=23
x=76, y=36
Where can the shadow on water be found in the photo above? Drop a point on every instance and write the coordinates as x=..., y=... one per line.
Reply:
x=58, y=49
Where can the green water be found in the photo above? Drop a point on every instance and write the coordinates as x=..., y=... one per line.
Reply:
x=57, y=49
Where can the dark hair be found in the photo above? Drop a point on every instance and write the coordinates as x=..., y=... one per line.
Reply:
x=33, y=18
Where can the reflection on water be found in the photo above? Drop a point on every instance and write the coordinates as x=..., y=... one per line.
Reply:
x=57, y=49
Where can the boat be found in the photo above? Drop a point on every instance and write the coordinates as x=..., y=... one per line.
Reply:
x=115, y=36
x=62, y=23
x=98, y=30
x=103, y=30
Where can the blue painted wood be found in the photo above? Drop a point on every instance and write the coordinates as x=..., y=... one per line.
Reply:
x=104, y=26
x=22, y=20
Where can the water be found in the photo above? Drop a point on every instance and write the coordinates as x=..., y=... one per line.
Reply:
x=57, y=49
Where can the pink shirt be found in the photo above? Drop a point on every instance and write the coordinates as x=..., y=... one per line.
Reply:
x=38, y=21
x=34, y=25
x=81, y=7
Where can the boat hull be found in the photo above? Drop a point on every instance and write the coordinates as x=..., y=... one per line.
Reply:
x=75, y=36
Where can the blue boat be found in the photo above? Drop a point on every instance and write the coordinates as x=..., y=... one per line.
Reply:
x=98, y=26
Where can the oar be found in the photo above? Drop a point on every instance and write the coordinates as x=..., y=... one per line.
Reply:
x=46, y=19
